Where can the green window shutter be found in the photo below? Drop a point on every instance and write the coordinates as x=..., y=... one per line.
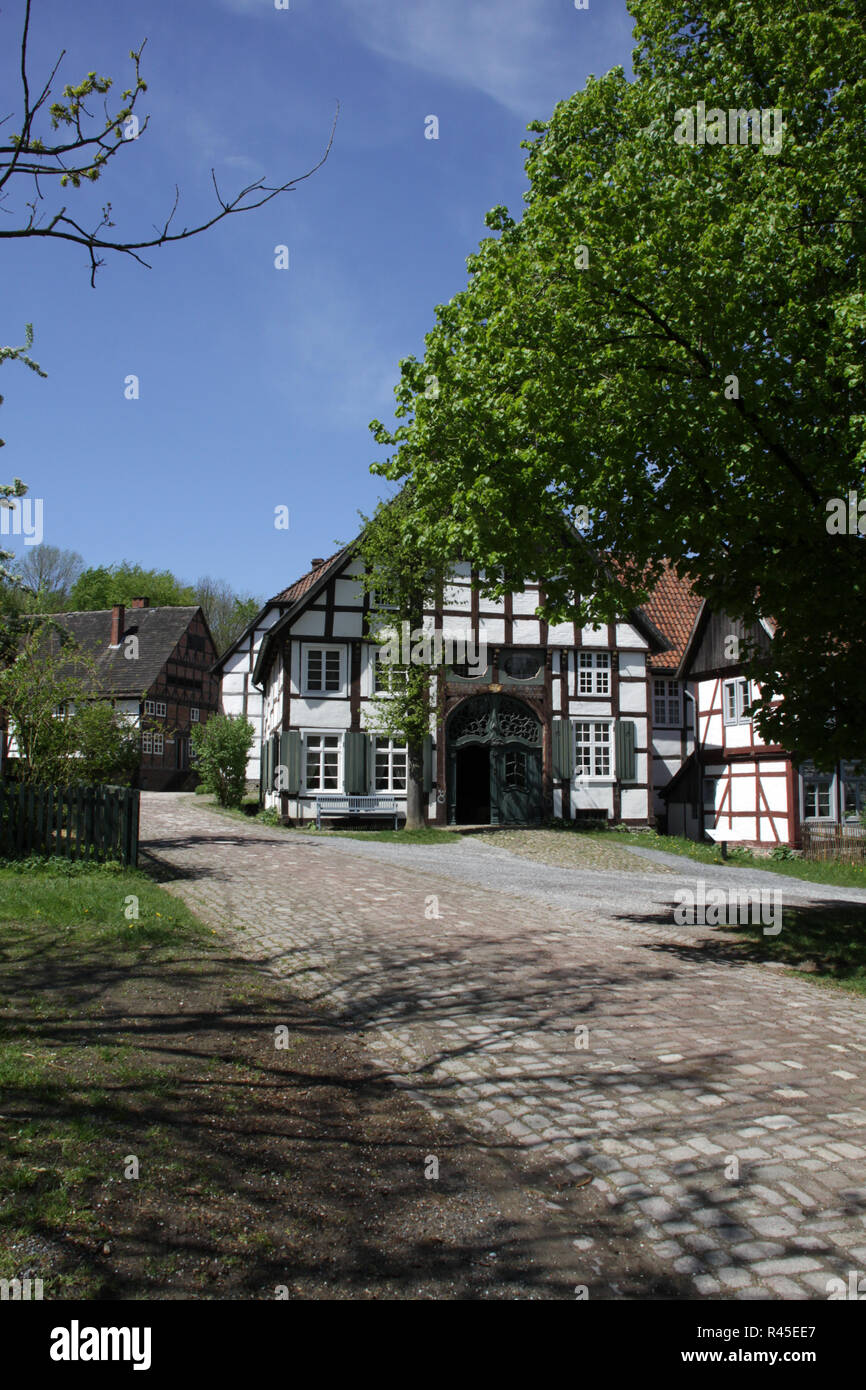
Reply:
x=428, y=764
x=626, y=762
x=290, y=759
x=263, y=765
x=562, y=749
x=269, y=775
x=355, y=764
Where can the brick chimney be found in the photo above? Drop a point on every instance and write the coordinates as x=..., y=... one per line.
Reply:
x=139, y=603
x=118, y=617
x=316, y=564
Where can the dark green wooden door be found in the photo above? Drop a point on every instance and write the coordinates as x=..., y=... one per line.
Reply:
x=515, y=777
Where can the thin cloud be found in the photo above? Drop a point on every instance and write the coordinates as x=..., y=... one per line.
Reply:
x=523, y=54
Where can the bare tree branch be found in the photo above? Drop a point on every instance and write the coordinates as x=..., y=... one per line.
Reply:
x=26, y=154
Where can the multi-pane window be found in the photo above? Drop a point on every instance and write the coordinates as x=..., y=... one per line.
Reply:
x=592, y=748
x=152, y=743
x=193, y=715
x=736, y=704
x=387, y=675
x=593, y=673
x=322, y=763
x=667, y=704
x=323, y=670
x=816, y=799
x=156, y=707
x=390, y=766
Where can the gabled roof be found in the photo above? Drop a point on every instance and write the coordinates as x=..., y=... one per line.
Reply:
x=673, y=608
x=158, y=631
x=306, y=581
x=303, y=591
x=283, y=600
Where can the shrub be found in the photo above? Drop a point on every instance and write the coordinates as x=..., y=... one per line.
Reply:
x=219, y=753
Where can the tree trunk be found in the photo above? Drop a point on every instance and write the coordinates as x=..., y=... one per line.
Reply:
x=415, y=819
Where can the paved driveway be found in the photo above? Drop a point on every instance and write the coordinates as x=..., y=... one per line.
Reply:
x=721, y=1104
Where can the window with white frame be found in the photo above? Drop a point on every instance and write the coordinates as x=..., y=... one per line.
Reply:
x=592, y=748
x=322, y=771
x=736, y=702
x=593, y=673
x=667, y=704
x=323, y=670
x=817, y=798
x=390, y=763
x=150, y=707
x=388, y=677
x=193, y=715
x=152, y=743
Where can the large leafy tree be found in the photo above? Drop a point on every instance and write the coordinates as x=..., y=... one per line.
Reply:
x=404, y=579
x=664, y=356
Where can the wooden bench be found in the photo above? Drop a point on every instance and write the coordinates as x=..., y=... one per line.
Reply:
x=379, y=805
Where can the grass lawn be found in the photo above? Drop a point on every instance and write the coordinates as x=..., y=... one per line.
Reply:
x=297, y=1168
x=825, y=943
x=813, y=871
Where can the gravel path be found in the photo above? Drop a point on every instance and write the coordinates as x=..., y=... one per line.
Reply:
x=720, y=1105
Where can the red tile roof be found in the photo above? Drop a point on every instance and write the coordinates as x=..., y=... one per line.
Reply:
x=301, y=586
x=672, y=607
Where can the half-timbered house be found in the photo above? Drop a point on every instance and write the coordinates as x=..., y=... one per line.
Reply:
x=554, y=719
x=733, y=785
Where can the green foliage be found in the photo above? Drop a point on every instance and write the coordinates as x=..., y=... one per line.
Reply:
x=108, y=750
x=63, y=735
x=406, y=572
x=219, y=751
x=571, y=407
x=102, y=586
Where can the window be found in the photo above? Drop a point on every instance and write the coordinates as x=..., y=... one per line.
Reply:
x=152, y=743
x=378, y=601
x=147, y=743
x=855, y=797
x=322, y=762
x=193, y=715
x=387, y=675
x=592, y=749
x=593, y=673
x=390, y=766
x=667, y=704
x=736, y=703
x=149, y=707
x=323, y=670
x=515, y=769
x=522, y=666
x=816, y=798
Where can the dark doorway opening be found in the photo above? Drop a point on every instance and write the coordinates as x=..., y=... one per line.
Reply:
x=473, y=785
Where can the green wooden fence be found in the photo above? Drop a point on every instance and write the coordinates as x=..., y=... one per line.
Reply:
x=75, y=822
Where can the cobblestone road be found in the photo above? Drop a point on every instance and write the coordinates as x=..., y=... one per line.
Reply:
x=723, y=1104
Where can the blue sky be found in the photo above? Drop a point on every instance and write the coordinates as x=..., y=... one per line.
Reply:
x=257, y=385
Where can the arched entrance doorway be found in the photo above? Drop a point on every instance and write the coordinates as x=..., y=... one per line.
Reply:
x=493, y=748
